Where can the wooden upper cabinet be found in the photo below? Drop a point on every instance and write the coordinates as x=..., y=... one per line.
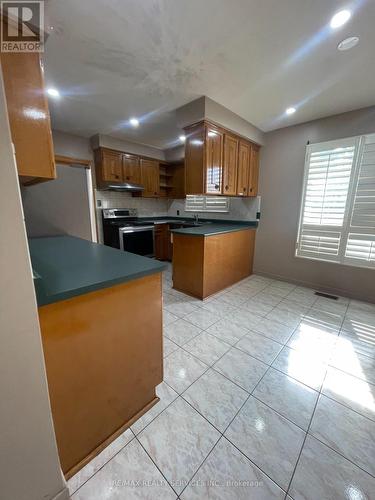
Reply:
x=230, y=165
x=194, y=159
x=244, y=153
x=254, y=171
x=217, y=161
x=131, y=170
x=111, y=166
x=178, y=180
x=214, y=161
x=28, y=116
x=150, y=178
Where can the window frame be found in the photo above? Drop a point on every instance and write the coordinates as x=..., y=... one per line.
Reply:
x=346, y=228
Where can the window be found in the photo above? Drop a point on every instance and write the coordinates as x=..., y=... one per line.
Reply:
x=197, y=203
x=337, y=219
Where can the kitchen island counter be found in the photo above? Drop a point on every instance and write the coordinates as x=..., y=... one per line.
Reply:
x=100, y=315
x=213, y=228
x=65, y=267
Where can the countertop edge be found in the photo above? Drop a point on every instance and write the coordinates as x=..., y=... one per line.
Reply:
x=200, y=231
x=43, y=299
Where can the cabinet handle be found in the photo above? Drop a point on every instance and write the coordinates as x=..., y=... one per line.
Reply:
x=251, y=190
x=128, y=178
x=116, y=177
x=216, y=186
x=226, y=187
x=244, y=190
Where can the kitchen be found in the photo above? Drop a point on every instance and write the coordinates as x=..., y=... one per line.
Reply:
x=196, y=274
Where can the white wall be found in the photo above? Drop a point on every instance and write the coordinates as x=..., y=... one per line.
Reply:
x=29, y=463
x=281, y=177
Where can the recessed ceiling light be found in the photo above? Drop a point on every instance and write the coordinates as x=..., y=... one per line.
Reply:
x=51, y=28
x=348, y=43
x=53, y=92
x=290, y=111
x=182, y=138
x=340, y=18
x=134, y=122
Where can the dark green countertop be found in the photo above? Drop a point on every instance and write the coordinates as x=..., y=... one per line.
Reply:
x=215, y=228
x=65, y=266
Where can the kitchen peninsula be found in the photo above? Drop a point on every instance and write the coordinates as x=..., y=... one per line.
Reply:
x=100, y=314
x=209, y=258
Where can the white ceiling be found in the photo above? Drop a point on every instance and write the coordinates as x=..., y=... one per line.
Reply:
x=113, y=59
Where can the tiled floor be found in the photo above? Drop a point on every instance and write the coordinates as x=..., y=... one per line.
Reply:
x=268, y=392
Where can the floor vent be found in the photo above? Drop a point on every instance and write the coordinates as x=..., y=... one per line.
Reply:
x=326, y=295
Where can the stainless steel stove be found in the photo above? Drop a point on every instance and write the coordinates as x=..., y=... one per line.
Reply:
x=122, y=229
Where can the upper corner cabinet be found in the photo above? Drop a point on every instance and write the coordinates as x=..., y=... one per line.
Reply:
x=219, y=162
x=203, y=159
x=29, y=117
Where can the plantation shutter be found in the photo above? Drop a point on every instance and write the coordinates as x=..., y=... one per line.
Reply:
x=328, y=173
x=360, y=246
x=197, y=203
x=337, y=219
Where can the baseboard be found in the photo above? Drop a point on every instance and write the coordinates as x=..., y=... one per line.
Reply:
x=315, y=286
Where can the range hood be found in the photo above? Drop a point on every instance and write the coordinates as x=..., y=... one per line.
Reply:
x=123, y=186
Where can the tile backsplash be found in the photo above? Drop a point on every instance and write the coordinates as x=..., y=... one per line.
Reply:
x=111, y=199
x=240, y=208
x=145, y=206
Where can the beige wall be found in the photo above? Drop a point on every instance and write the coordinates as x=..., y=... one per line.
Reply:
x=206, y=108
x=61, y=206
x=106, y=141
x=29, y=463
x=281, y=176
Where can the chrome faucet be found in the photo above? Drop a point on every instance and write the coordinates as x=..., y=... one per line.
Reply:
x=196, y=218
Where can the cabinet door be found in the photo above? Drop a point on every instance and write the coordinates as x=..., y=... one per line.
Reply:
x=244, y=153
x=178, y=181
x=111, y=166
x=150, y=178
x=28, y=116
x=214, y=161
x=230, y=165
x=159, y=242
x=254, y=171
x=131, y=170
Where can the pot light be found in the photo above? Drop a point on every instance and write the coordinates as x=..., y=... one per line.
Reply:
x=348, y=43
x=290, y=111
x=340, y=18
x=134, y=122
x=182, y=138
x=53, y=92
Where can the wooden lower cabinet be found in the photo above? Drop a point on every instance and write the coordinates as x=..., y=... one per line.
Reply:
x=163, y=245
x=204, y=265
x=100, y=376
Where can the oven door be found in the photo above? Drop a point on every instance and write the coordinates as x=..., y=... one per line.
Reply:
x=138, y=240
